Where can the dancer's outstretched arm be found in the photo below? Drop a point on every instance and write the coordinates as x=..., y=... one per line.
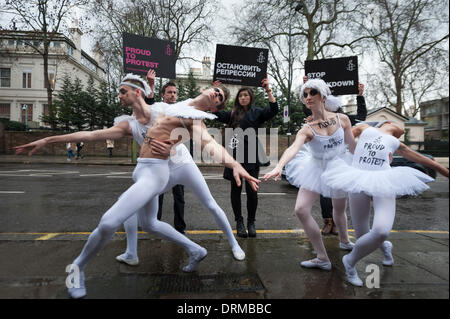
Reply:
x=408, y=153
x=303, y=136
x=115, y=132
x=220, y=154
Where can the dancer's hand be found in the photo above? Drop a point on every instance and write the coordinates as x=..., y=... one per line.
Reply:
x=162, y=148
x=239, y=172
x=34, y=146
x=216, y=83
x=275, y=173
x=360, y=89
x=151, y=74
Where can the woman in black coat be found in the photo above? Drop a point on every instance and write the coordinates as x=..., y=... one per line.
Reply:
x=247, y=150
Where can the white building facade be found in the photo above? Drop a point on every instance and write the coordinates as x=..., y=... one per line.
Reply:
x=23, y=91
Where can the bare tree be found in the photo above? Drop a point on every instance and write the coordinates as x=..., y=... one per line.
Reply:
x=44, y=19
x=295, y=31
x=411, y=39
x=184, y=22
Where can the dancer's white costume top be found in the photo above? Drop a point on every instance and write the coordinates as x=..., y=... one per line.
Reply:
x=370, y=172
x=310, y=163
x=181, y=110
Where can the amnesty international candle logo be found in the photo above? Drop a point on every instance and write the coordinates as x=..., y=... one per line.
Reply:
x=261, y=58
x=168, y=50
x=351, y=67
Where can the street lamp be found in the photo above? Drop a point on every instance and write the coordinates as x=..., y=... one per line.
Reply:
x=298, y=7
x=25, y=108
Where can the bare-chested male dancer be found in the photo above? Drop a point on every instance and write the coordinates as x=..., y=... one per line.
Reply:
x=152, y=173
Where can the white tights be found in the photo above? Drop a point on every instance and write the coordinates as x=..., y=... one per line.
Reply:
x=303, y=206
x=151, y=177
x=190, y=176
x=370, y=239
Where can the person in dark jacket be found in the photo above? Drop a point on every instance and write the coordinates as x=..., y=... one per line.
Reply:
x=326, y=206
x=247, y=149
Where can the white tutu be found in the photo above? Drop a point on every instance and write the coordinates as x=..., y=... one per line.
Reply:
x=305, y=171
x=394, y=181
x=297, y=164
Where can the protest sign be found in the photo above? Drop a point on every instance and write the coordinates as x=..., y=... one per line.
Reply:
x=240, y=65
x=142, y=53
x=341, y=74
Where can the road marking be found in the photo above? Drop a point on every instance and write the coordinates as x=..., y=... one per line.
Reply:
x=244, y=193
x=111, y=174
x=48, y=236
x=128, y=177
x=35, y=173
x=12, y=192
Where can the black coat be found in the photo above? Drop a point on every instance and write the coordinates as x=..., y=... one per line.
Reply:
x=254, y=118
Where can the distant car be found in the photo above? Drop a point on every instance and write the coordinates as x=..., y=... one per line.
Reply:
x=401, y=161
x=398, y=160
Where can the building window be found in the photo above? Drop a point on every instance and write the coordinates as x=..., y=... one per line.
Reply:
x=5, y=110
x=26, y=108
x=11, y=42
x=5, y=77
x=26, y=79
x=51, y=78
x=88, y=64
x=69, y=50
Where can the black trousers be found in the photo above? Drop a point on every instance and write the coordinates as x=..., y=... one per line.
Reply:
x=327, y=207
x=252, y=199
x=178, y=207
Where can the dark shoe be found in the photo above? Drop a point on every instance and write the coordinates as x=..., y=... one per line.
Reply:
x=334, y=229
x=182, y=231
x=240, y=229
x=251, y=230
x=327, y=226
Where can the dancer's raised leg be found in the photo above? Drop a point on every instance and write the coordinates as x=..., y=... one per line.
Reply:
x=150, y=223
x=148, y=184
x=384, y=214
x=190, y=176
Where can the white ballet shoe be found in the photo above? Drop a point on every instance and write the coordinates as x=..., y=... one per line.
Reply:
x=351, y=274
x=238, y=253
x=388, y=259
x=346, y=246
x=194, y=259
x=316, y=263
x=80, y=292
x=124, y=258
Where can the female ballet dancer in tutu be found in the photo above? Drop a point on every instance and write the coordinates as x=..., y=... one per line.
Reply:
x=371, y=176
x=328, y=136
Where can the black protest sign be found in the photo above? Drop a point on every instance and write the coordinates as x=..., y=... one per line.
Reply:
x=341, y=74
x=141, y=54
x=240, y=65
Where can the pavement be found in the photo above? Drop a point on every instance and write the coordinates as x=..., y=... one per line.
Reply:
x=271, y=269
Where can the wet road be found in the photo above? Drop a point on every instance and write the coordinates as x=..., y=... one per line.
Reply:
x=47, y=212
x=64, y=198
